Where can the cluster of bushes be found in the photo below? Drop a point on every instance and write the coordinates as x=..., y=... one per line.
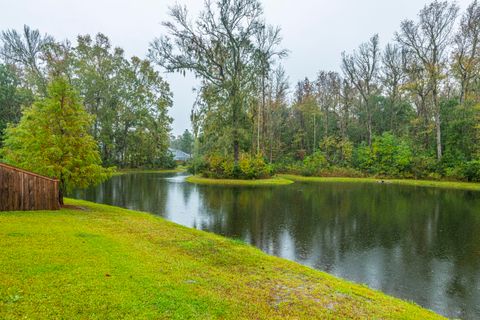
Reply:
x=388, y=156
x=471, y=170
x=467, y=171
x=221, y=167
x=316, y=165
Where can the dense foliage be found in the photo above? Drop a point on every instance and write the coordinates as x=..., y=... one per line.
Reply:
x=217, y=166
x=408, y=109
x=127, y=98
x=12, y=97
x=52, y=139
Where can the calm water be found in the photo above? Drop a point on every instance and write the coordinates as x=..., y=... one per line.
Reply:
x=419, y=244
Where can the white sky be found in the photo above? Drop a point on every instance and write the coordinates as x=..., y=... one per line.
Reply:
x=315, y=31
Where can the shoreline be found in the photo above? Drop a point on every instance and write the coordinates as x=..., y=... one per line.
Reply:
x=468, y=186
x=286, y=179
x=275, y=181
x=120, y=172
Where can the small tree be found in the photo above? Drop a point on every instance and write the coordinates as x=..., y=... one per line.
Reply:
x=52, y=139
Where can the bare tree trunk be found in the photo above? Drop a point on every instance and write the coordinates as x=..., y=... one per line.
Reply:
x=61, y=191
x=369, y=125
x=326, y=121
x=271, y=148
x=258, y=129
x=393, y=114
x=463, y=91
x=236, y=151
x=438, y=123
x=314, y=133
x=235, y=137
x=264, y=114
x=439, y=136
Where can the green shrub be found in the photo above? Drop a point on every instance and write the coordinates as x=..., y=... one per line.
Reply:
x=471, y=171
x=228, y=167
x=166, y=161
x=287, y=165
x=388, y=156
x=364, y=159
x=391, y=157
x=215, y=166
x=314, y=164
x=423, y=166
x=221, y=167
x=246, y=168
x=197, y=165
x=338, y=151
x=454, y=173
x=254, y=167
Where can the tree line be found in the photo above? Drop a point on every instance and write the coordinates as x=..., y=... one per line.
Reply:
x=127, y=97
x=408, y=108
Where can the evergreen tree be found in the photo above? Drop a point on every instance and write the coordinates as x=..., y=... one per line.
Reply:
x=52, y=139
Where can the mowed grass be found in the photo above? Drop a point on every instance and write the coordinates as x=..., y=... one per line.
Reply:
x=276, y=181
x=102, y=262
x=409, y=182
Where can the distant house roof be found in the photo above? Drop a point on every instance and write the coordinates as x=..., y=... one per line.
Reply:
x=179, y=155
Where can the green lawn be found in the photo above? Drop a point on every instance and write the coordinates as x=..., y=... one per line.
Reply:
x=102, y=262
x=410, y=182
x=276, y=181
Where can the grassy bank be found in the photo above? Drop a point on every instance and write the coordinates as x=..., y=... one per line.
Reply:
x=408, y=182
x=102, y=262
x=277, y=181
x=128, y=171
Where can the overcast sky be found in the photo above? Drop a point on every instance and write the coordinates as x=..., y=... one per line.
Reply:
x=315, y=31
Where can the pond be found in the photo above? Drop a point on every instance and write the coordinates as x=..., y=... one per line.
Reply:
x=418, y=244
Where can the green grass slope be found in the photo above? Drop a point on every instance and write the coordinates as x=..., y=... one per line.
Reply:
x=102, y=262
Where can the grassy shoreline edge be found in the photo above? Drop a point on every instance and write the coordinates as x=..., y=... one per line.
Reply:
x=286, y=179
x=469, y=186
x=275, y=181
x=119, y=262
x=131, y=171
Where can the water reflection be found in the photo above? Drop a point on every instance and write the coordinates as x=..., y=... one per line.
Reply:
x=419, y=244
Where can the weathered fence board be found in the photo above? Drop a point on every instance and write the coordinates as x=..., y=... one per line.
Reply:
x=21, y=190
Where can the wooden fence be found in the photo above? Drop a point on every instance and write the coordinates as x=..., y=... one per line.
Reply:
x=24, y=191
